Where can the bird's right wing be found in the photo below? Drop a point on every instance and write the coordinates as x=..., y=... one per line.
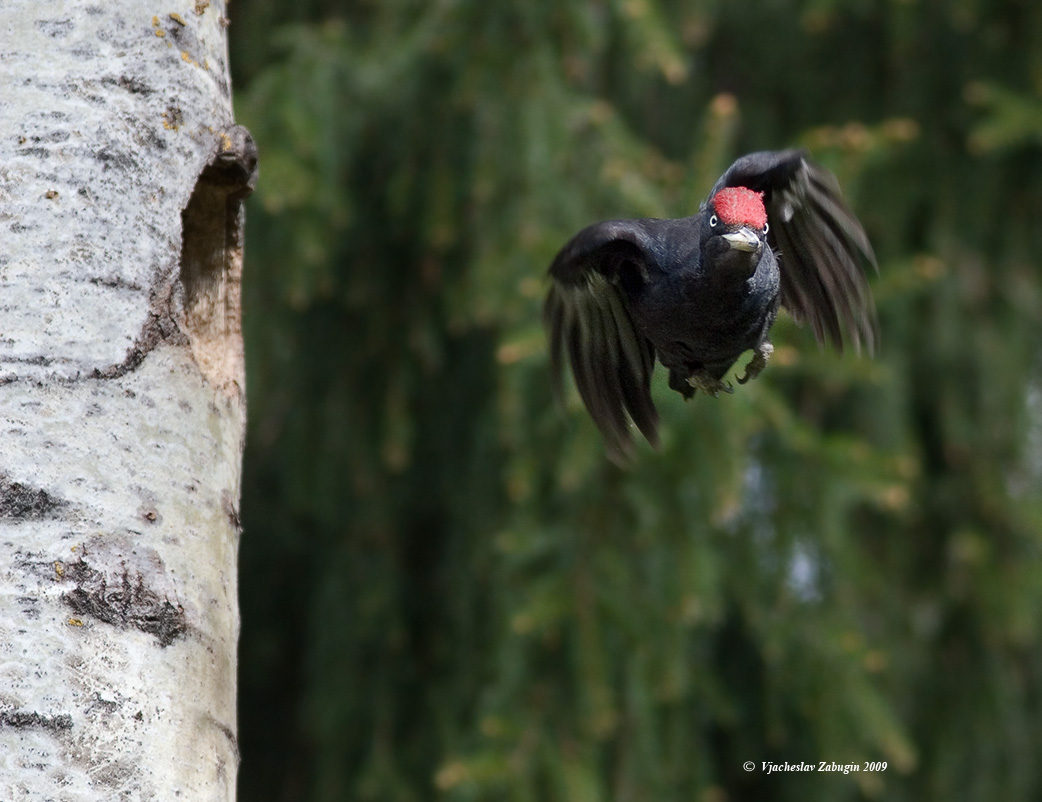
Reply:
x=824, y=252
x=588, y=319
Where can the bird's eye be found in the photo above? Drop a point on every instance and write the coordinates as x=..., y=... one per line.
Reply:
x=713, y=221
x=766, y=227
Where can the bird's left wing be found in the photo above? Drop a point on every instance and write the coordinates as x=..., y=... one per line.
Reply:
x=823, y=250
x=588, y=319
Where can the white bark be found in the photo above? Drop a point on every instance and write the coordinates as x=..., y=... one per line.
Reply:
x=121, y=400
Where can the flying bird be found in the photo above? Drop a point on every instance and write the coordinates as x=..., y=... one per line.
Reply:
x=695, y=293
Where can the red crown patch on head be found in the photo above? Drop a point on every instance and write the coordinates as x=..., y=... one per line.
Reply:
x=737, y=206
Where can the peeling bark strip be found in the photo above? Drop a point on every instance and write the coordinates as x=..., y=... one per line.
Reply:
x=126, y=603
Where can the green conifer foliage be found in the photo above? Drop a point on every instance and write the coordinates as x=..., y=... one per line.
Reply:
x=449, y=593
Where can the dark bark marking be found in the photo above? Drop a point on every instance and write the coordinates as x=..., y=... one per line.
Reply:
x=125, y=603
x=22, y=720
x=21, y=503
x=133, y=85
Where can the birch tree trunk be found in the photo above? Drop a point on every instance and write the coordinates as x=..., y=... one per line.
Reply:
x=121, y=400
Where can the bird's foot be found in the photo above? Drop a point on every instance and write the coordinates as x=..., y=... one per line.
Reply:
x=761, y=354
x=702, y=380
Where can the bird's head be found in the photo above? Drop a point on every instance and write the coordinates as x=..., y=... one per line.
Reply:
x=735, y=227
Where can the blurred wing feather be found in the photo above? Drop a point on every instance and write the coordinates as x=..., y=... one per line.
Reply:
x=590, y=325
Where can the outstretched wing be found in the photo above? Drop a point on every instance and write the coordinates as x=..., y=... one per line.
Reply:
x=588, y=319
x=823, y=250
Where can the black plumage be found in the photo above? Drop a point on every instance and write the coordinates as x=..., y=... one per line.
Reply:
x=697, y=292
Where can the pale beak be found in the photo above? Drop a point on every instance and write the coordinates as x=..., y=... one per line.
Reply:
x=744, y=239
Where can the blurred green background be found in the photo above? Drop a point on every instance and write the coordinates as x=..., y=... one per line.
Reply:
x=448, y=593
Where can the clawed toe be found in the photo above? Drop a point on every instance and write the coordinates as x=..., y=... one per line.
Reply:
x=703, y=381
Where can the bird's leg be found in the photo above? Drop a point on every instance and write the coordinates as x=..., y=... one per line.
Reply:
x=703, y=380
x=761, y=354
